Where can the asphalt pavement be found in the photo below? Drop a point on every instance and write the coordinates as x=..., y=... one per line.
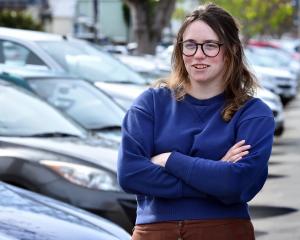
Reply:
x=276, y=209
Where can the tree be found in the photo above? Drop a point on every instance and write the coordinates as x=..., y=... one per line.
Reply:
x=149, y=17
x=259, y=17
x=22, y=20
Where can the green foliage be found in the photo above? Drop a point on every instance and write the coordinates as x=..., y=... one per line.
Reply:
x=179, y=14
x=257, y=16
x=21, y=20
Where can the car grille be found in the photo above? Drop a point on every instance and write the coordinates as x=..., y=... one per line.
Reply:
x=284, y=86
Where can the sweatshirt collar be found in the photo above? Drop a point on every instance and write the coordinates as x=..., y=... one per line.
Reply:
x=220, y=98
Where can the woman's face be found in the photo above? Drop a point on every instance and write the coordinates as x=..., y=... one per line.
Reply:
x=203, y=70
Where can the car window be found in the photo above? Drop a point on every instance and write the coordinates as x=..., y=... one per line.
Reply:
x=22, y=114
x=15, y=54
x=90, y=63
x=83, y=102
x=280, y=56
x=262, y=60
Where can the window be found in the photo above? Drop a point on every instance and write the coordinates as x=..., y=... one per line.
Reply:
x=14, y=54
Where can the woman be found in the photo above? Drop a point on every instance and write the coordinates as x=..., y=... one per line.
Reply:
x=196, y=149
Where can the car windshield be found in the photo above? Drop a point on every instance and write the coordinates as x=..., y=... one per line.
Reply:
x=24, y=115
x=83, y=102
x=86, y=61
x=261, y=60
x=292, y=45
x=280, y=56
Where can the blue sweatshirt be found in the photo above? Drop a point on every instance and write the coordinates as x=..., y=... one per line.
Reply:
x=194, y=184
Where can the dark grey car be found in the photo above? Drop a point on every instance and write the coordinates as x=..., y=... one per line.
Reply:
x=44, y=152
x=26, y=216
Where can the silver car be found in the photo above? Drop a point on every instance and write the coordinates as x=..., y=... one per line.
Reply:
x=274, y=103
x=50, y=51
x=285, y=81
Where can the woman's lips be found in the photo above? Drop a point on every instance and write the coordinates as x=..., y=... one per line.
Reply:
x=200, y=66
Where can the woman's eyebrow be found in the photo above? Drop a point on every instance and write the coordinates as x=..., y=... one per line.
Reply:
x=205, y=41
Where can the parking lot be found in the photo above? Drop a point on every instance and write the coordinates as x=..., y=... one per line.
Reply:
x=76, y=95
x=275, y=210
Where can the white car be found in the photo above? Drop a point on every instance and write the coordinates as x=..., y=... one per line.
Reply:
x=149, y=66
x=279, y=58
x=285, y=81
x=274, y=103
x=50, y=51
x=290, y=45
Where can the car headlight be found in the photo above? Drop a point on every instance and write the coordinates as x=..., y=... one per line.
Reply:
x=83, y=175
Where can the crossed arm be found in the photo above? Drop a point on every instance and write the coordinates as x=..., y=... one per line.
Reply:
x=234, y=154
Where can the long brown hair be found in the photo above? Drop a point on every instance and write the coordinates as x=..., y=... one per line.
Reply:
x=239, y=82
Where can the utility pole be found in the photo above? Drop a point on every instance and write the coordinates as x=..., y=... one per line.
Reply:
x=95, y=20
x=298, y=18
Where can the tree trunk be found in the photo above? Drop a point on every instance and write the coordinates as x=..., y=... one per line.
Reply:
x=148, y=22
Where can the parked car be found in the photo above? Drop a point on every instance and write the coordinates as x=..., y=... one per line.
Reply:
x=280, y=58
x=265, y=80
x=274, y=103
x=264, y=66
x=47, y=153
x=28, y=215
x=80, y=100
x=290, y=46
x=58, y=53
x=150, y=67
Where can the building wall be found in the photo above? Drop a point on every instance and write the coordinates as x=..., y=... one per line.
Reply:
x=112, y=23
x=110, y=18
x=63, y=12
x=61, y=25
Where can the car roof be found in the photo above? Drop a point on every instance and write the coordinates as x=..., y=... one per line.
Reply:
x=29, y=35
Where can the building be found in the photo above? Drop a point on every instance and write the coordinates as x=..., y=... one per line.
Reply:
x=107, y=19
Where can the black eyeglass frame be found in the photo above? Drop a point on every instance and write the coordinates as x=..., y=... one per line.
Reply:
x=201, y=45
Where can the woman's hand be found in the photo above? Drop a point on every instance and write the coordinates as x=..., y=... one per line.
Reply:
x=236, y=152
x=161, y=159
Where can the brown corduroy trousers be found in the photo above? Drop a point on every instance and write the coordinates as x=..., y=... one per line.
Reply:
x=232, y=229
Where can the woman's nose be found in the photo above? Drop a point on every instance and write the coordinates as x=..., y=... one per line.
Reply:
x=199, y=53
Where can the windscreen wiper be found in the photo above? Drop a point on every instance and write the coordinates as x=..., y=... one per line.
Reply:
x=107, y=128
x=53, y=134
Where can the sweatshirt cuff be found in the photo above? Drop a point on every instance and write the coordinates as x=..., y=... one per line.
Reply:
x=180, y=165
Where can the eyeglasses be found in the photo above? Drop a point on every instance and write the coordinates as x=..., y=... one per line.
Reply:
x=210, y=49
